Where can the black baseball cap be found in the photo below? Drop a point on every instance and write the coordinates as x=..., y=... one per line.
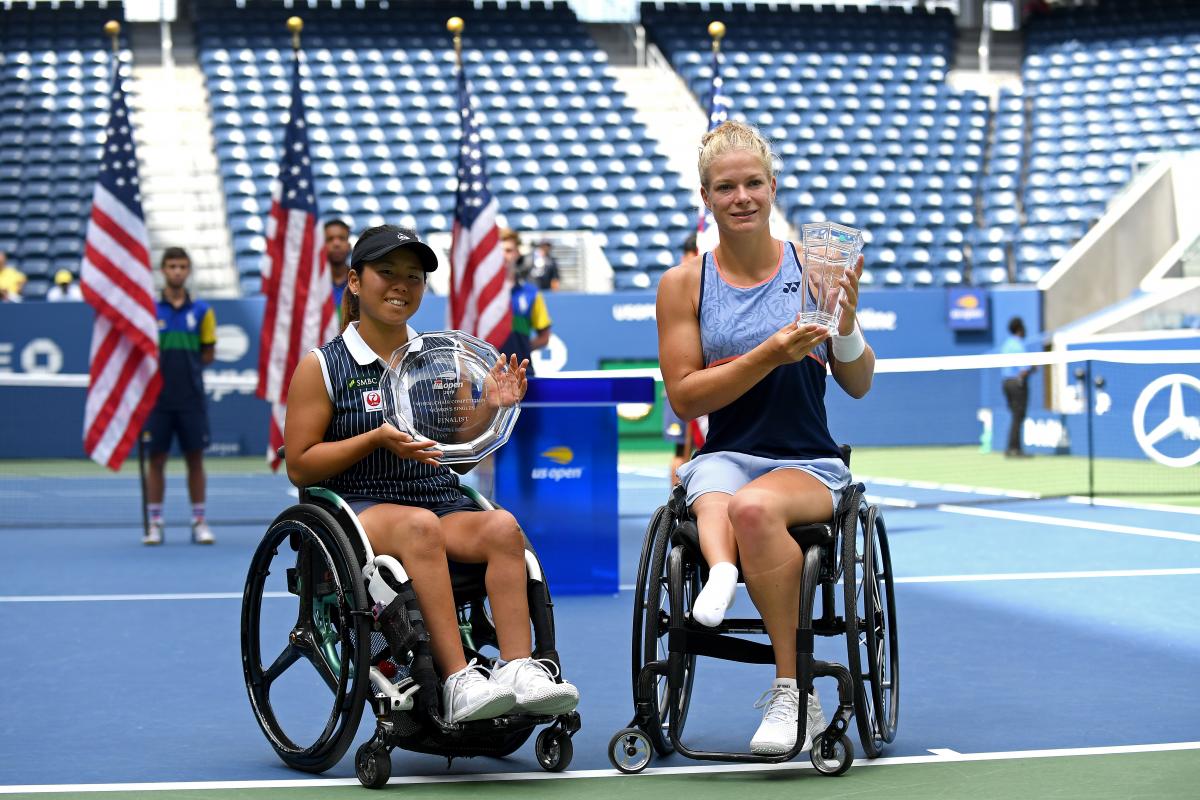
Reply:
x=375, y=243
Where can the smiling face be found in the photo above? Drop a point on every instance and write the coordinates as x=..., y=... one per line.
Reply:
x=740, y=191
x=389, y=290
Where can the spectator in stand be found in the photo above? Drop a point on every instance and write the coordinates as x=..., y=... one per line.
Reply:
x=12, y=281
x=65, y=288
x=337, y=250
x=543, y=268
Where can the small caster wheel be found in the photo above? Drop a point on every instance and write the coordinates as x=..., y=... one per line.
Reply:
x=373, y=766
x=553, y=749
x=838, y=761
x=630, y=751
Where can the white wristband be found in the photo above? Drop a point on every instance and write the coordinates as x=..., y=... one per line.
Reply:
x=849, y=347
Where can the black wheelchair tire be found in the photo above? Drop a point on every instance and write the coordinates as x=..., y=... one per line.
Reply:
x=861, y=617
x=351, y=684
x=884, y=654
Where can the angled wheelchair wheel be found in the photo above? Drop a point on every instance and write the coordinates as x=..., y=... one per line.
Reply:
x=871, y=640
x=651, y=621
x=306, y=638
x=883, y=657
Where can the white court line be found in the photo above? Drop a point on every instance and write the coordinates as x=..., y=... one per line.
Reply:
x=949, y=487
x=1108, y=502
x=94, y=598
x=896, y=502
x=1062, y=522
x=1051, y=576
x=938, y=756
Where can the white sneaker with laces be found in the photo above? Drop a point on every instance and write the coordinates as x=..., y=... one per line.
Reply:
x=201, y=533
x=777, y=733
x=469, y=695
x=153, y=533
x=532, y=682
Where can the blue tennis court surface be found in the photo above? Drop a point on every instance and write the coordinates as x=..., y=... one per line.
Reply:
x=1024, y=626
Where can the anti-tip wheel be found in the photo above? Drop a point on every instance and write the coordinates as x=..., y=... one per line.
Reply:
x=554, y=750
x=373, y=766
x=630, y=751
x=843, y=756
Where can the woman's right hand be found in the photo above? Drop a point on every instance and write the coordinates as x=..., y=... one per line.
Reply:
x=794, y=341
x=391, y=438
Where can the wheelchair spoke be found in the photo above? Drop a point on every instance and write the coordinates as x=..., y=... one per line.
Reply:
x=285, y=659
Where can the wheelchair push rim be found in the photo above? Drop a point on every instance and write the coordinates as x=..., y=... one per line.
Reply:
x=330, y=623
x=651, y=622
x=871, y=639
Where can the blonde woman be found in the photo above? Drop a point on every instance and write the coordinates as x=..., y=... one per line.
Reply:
x=730, y=347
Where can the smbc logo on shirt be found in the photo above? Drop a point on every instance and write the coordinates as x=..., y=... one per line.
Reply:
x=353, y=382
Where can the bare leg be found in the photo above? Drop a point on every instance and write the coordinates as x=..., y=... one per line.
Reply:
x=195, y=475
x=720, y=552
x=760, y=513
x=156, y=481
x=494, y=538
x=414, y=535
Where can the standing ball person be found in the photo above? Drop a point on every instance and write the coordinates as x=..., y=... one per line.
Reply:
x=187, y=339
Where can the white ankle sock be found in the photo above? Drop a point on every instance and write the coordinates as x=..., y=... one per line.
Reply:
x=717, y=595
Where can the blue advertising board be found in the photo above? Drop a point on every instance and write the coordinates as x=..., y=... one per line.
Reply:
x=967, y=309
x=587, y=332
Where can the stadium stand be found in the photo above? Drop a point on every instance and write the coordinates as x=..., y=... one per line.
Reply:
x=54, y=83
x=1106, y=85
x=867, y=129
x=565, y=151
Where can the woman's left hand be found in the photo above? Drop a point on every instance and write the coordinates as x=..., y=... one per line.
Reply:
x=509, y=384
x=849, y=300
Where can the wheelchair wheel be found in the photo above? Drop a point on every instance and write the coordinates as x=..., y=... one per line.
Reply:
x=651, y=621
x=883, y=657
x=306, y=638
x=871, y=640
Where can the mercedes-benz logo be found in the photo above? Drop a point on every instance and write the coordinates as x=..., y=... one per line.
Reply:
x=1177, y=420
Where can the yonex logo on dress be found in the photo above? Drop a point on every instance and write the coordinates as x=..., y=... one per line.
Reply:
x=791, y=286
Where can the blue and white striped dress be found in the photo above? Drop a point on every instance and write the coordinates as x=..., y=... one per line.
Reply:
x=352, y=373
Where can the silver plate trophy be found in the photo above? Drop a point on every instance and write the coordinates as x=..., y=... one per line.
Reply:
x=830, y=250
x=446, y=387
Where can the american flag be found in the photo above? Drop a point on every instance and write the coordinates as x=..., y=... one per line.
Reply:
x=480, y=303
x=299, y=313
x=118, y=283
x=718, y=112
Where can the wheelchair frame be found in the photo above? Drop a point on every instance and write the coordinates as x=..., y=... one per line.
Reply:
x=852, y=547
x=334, y=571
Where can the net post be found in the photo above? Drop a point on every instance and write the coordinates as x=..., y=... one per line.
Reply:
x=1089, y=399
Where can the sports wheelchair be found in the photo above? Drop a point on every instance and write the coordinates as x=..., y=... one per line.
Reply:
x=317, y=555
x=851, y=549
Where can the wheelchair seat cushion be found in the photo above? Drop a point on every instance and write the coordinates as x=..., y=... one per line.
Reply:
x=820, y=534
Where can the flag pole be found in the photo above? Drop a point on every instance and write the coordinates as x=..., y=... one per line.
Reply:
x=716, y=29
x=295, y=25
x=455, y=26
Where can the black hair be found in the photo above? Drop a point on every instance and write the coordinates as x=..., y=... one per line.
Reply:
x=1016, y=326
x=690, y=245
x=340, y=223
x=175, y=252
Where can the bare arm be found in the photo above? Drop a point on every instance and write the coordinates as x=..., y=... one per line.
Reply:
x=694, y=390
x=854, y=377
x=311, y=459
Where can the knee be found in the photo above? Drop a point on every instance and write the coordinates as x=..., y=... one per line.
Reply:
x=417, y=535
x=502, y=535
x=751, y=517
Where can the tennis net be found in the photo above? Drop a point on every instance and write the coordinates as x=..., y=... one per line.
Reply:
x=1100, y=423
